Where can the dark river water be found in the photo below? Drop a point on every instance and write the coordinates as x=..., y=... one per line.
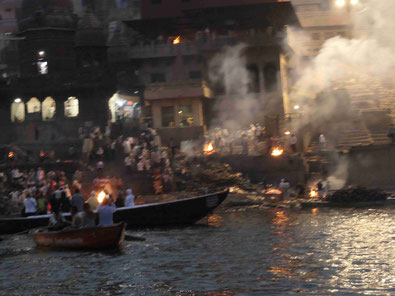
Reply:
x=247, y=252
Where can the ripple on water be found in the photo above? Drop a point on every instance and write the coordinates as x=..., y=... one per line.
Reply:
x=254, y=252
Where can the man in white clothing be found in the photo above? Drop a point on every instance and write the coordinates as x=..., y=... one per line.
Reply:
x=30, y=206
x=129, y=201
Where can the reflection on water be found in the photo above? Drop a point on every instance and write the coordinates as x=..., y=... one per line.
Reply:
x=250, y=252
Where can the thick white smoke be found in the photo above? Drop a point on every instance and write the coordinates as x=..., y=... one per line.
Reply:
x=228, y=70
x=367, y=57
x=370, y=53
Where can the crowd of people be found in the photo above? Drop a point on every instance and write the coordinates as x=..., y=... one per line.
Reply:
x=143, y=156
x=254, y=140
x=35, y=191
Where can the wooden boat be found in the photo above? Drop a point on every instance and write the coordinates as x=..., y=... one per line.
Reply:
x=185, y=211
x=97, y=238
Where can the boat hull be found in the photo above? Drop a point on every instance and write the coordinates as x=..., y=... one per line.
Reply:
x=178, y=212
x=97, y=238
x=186, y=211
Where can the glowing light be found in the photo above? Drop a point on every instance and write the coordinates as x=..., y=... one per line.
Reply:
x=274, y=191
x=179, y=112
x=287, y=133
x=296, y=107
x=340, y=3
x=313, y=193
x=11, y=154
x=208, y=149
x=354, y=2
x=277, y=151
x=18, y=100
x=177, y=40
x=41, y=53
x=101, y=196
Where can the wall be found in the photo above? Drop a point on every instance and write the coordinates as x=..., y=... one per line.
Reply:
x=272, y=169
x=372, y=166
x=196, y=106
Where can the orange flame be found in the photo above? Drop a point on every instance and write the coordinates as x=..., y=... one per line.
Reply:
x=313, y=193
x=11, y=154
x=177, y=40
x=101, y=196
x=273, y=191
x=277, y=151
x=208, y=149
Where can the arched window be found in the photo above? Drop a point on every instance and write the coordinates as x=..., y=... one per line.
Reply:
x=71, y=107
x=18, y=111
x=48, y=109
x=33, y=106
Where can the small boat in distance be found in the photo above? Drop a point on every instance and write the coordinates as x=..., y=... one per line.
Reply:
x=92, y=238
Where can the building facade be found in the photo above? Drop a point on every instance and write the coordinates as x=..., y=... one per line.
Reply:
x=177, y=43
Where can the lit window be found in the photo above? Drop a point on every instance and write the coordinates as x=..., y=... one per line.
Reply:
x=42, y=67
x=71, y=107
x=185, y=115
x=42, y=64
x=18, y=110
x=48, y=109
x=33, y=106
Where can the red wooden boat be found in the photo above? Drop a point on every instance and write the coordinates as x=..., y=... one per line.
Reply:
x=108, y=237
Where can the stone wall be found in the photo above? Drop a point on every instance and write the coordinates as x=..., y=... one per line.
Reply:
x=372, y=166
x=258, y=168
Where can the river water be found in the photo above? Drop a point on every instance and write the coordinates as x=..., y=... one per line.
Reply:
x=240, y=252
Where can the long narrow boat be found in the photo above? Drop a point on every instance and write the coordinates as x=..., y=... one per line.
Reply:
x=96, y=238
x=184, y=211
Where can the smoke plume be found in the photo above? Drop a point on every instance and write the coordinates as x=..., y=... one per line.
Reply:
x=228, y=73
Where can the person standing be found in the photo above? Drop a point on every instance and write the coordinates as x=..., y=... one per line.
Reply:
x=293, y=142
x=129, y=201
x=77, y=200
x=92, y=201
x=320, y=188
x=322, y=141
x=284, y=186
x=30, y=206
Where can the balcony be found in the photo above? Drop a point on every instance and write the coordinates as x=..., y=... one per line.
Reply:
x=200, y=44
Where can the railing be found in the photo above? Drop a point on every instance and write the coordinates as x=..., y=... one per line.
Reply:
x=201, y=44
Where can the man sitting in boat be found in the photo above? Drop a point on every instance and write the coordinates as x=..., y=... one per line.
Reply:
x=106, y=210
x=86, y=218
x=57, y=221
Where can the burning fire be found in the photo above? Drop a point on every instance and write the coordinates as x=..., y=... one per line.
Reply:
x=101, y=196
x=208, y=149
x=177, y=40
x=313, y=193
x=11, y=154
x=287, y=133
x=277, y=151
x=274, y=191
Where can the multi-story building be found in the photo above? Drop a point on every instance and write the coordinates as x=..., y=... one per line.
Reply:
x=8, y=41
x=321, y=20
x=178, y=41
